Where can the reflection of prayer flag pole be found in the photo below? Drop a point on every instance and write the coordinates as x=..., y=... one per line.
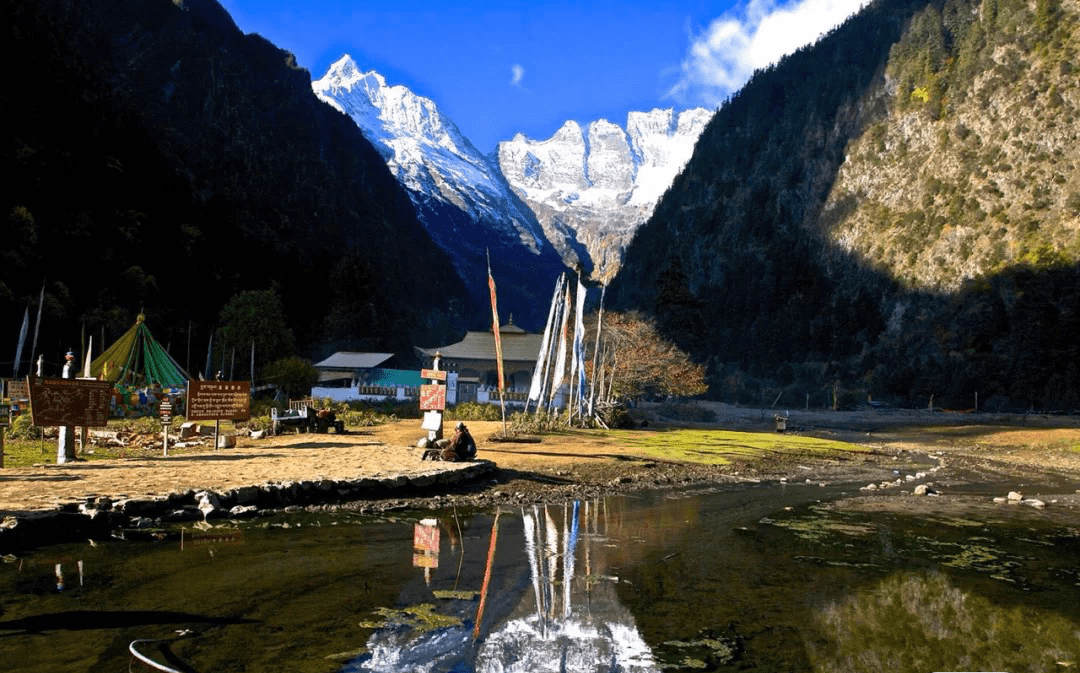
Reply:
x=531, y=531
x=568, y=557
x=487, y=575
x=551, y=543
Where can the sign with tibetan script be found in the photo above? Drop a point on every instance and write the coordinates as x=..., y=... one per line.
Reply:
x=432, y=396
x=433, y=374
x=219, y=400
x=84, y=402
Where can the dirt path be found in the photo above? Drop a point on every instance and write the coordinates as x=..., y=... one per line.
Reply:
x=382, y=451
x=558, y=461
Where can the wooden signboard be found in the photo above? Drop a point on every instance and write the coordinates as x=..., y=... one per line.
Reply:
x=82, y=402
x=433, y=374
x=432, y=397
x=219, y=400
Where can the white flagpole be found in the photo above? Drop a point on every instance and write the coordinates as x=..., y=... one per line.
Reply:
x=86, y=362
x=536, y=386
x=22, y=341
x=579, y=347
x=596, y=351
x=37, y=323
x=560, y=356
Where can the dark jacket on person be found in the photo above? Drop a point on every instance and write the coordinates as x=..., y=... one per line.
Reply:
x=463, y=444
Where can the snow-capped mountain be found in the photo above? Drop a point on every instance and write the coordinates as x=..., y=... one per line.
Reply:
x=460, y=195
x=598, y=184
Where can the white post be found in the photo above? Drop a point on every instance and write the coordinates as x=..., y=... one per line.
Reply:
x=65, y=448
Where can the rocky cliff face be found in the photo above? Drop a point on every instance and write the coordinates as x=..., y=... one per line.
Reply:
x=892, y=212
x=591, y=188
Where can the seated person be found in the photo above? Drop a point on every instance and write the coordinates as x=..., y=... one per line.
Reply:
x=462, y=446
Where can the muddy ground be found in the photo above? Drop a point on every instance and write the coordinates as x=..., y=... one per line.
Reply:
x=572, y=464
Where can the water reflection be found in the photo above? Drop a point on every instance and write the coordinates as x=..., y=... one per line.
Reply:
x=922, y=622
x=555, y=608
x=766, y=578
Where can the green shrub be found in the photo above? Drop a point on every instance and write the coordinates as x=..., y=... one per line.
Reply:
x=142, y=424
x=528, y=423
x=256, y=422
x=363, y=418
x=23, y=428
x=474, y=411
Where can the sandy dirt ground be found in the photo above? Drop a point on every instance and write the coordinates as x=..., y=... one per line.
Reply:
x=1020, y=441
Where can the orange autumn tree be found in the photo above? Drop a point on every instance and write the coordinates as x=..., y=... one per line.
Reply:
x=635, y=362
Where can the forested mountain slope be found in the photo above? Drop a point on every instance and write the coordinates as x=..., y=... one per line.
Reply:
x=891, y=212
x=157, y=158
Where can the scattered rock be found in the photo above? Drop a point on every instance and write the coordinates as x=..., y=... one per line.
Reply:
x=243, y=511
x=208, y=504
x=1014, y=496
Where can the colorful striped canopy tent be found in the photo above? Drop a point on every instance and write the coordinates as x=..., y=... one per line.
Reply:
x=138, y=359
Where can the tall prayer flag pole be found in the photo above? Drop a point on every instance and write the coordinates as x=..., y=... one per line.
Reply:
x=498, y=342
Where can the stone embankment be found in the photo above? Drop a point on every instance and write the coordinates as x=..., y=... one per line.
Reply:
x=101, y=517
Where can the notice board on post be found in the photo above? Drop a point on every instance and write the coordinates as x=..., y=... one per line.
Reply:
x=218, y=400
x=56, y=402
x=432, y=397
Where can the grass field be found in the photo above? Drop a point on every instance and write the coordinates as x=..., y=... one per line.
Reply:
x=718, y=447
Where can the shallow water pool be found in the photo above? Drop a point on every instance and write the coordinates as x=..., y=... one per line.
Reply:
x=763, y=578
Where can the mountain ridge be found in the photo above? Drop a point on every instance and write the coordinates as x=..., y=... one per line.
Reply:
x=461, y=197
x=152, y=145
x=842, y=229
x=601, y=180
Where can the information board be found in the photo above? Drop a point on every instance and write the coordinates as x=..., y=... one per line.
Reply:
x=432, y=396
x=219, y=400
x=434, y=374
x=16, y=390
x=82, y=402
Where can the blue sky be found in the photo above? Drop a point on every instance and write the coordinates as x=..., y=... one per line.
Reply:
x=502, y=69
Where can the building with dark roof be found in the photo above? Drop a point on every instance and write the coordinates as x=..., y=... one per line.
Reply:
x=347, y=366
x=473, y=358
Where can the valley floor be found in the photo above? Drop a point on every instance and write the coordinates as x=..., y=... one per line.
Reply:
x=575, y=463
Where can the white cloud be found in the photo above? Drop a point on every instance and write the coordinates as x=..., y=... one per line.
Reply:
x=722, y=58
x=517, y=72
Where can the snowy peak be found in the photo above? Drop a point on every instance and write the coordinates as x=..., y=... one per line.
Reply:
x=602, y=181
x=460, y=196
x=409, y=130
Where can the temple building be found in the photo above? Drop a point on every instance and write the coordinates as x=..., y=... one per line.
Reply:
x=473, y=359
